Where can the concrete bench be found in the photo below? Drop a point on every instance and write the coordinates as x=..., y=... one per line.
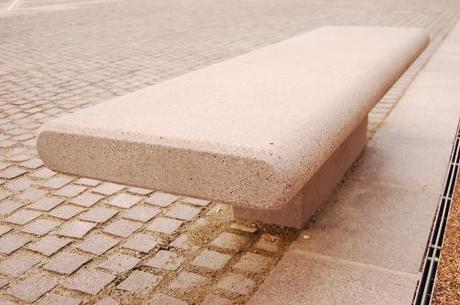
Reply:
x=272, y=132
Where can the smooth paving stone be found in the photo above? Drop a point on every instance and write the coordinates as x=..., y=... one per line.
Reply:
x=211, y=260
x=22, y=217
x=97, y=244
x=454, y=34
x=32, y=288
x=108, y=189
x=141, y=242
x=46, y=204
x=141, y=213
x=9, y=206
x=18, y=184
x=16, y=265
x=165, y=260
x=402, y=155
x=119, y=263
x=305, y=280
x=409, y=119
x=374, y=224
x=186, y=281
x=57, y=182
x=90, y=281
x=409, y=152
x=49, y=245
x=230, y=241
x=258, y=156
x=86, y=199
x=124, y=200
x=75, y=228
x=139, y=281
x=43, y=173
x=436, y=92
x=164, y=225
x=446, y=59
x=66, y=263
x=41, y=226
x=11, y=242
x=11, y=172
x=66, y=211
x=122, y=228
x=70, y=190
x=407, y=126
x=183, y=211
x=161, y=199
x=98, y=214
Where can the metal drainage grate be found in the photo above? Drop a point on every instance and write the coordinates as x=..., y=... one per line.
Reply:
x=424, y=293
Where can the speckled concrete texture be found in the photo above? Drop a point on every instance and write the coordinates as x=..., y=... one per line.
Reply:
x=251, y=130
x=319, y=187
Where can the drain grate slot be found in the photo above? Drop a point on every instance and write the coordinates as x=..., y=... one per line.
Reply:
x=424, y=292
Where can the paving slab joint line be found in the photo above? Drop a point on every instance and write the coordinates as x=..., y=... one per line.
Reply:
x=353, y=263
x=392, y=185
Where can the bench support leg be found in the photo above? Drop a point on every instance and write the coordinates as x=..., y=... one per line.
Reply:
x=300, y=209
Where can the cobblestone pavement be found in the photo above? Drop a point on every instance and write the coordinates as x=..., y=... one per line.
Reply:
x=71, y=240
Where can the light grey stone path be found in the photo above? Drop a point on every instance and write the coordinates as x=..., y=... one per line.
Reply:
x=62, y=231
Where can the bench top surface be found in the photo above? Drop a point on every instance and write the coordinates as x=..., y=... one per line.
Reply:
x=286, y=107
